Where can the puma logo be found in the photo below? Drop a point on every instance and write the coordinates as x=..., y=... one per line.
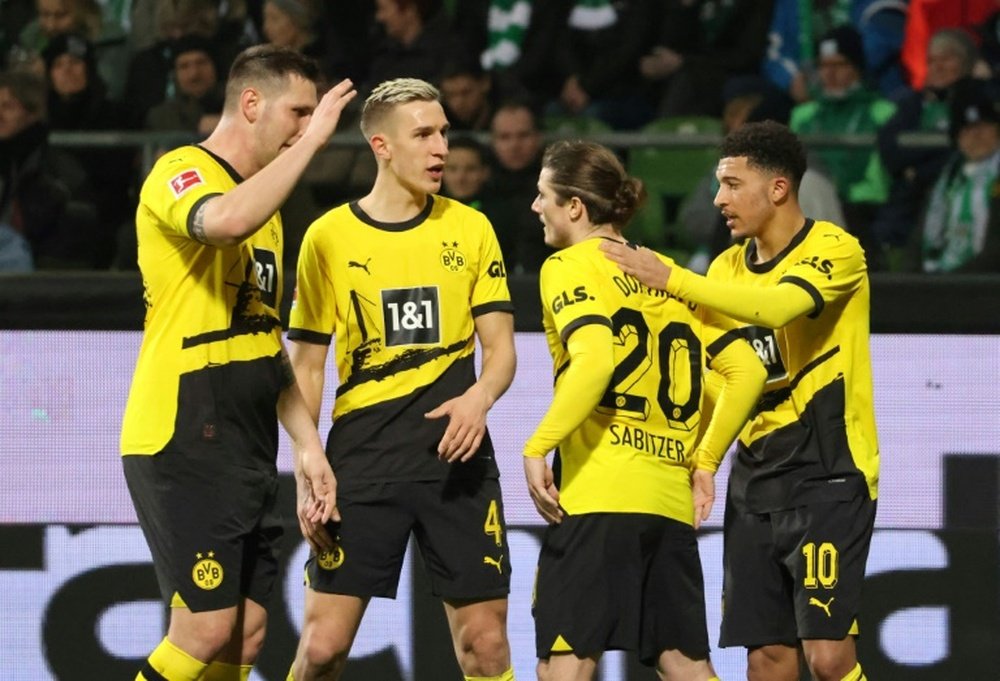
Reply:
x=495, y=563
x=360, y=266
x=825, y=607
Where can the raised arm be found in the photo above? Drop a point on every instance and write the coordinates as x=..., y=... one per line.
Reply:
x=229, y=218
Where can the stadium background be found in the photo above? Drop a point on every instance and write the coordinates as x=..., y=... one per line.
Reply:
x=78, y=595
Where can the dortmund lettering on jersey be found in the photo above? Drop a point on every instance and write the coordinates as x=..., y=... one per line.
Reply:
x=632, y=453
x=209, y=355
x=812, y=436
x=400, y=301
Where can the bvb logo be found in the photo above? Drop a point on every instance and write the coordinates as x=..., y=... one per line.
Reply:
x=207, y=572
x=452, y=259
x=332, y=559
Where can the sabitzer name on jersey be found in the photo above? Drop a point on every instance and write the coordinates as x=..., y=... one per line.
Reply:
x=624, y=435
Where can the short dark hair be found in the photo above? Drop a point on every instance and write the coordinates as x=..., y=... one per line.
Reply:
x=267, y=67
x=768, y=146
x=592, y=173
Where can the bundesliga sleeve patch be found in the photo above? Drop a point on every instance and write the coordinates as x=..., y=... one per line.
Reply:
x=179, y=184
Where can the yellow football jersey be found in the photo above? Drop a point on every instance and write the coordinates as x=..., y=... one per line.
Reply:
x=812, y=436
x=632, y=454
x=210, y=354
x=400, y=300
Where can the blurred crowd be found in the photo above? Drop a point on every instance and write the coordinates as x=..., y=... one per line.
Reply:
x=509, y=71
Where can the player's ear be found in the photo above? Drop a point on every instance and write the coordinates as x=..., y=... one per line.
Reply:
x=780, y=188
x=250, y=103
x=380, y=145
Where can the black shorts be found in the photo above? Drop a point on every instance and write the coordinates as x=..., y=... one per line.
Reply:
x=794, y=574
x=458, y=526
x=620, y=581
x=214, y=530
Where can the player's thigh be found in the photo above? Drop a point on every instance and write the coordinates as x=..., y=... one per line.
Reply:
x=462, y=536
x=825, y=548
x=757, y=607
x=369, y=543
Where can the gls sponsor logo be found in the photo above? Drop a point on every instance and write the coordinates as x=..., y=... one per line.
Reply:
x=564, y=299
x=496, y=270
x=821, y=266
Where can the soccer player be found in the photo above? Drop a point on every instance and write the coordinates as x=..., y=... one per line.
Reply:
x=212, y=380
x=801, y=502
x=405, y=280
x=619, y=565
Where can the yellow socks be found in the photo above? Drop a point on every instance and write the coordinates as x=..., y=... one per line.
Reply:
x=506, y=676
x=855, y=674
x=167, y=662
x=220, y=671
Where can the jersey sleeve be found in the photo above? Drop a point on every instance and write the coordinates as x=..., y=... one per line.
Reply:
x=490, y=292
x=733, y=387
x=834, y=269
x=570, y=296
x=174, y=191
x=578, y=389
x=314, y=311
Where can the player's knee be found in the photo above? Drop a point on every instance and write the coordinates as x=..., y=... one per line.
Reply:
x=486, y=642
x=323, y=648
x=828, y=664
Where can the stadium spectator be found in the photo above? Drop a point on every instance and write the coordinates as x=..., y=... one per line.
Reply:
x=961, y=228
x=951, y=57
x=84, y=18
x=406, y=281
x=466, y=93
x=150, y=80
x=516, y=145
x=295, y=24
x=199, y=437
x=466, y=172
x=796, y=26
x=413, y=40
x=45, y=194
x=699, y=46
x=78, y=101
x=196, y=103
x=582, y=58
x=846, y=106
x=924, y=18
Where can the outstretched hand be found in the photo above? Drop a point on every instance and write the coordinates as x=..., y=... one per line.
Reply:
x=327, y=113
x=639, y=262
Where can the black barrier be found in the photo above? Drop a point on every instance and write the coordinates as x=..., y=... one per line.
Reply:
x=901, y=303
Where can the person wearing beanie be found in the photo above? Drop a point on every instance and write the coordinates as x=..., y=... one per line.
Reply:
x=951, y=56
x=846, y=106
x=78, y=101
x=961, y=228
x=196, y=104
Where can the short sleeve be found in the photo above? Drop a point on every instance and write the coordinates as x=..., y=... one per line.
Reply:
x=175, y=189
x=833, y=268
x=490, y=292
x=570, y=296
x=314, y=312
